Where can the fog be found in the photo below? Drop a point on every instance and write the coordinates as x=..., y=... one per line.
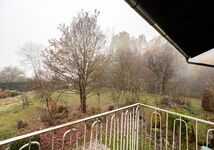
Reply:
x=37, y=21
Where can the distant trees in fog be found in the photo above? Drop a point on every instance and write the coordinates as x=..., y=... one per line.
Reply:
x=128, y=66
x=12, y=74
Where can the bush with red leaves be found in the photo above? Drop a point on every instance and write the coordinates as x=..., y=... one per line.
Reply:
x=46, y=139
x=208, y=97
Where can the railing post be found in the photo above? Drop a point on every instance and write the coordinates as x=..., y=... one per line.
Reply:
x=52, y=140
x=125, y=129
x=95, y=123
x=137, y=127
x=85, y=131
x=167, y=117
x=118, y=132
x=96, y=135
x=106, y=139
x=127, y=132
x=150, y=136
x=161, y=140
x=180, y=130
x=142, y=130
x=29, y=146
x=155, y=131
x=130, y=131
x=160, y=130
x=114, y=139
x=70, y=137
x=121, y=132
x=111, y=128
x=101, y=133
x=133, y=127
x=207, y=140
x=196, y=135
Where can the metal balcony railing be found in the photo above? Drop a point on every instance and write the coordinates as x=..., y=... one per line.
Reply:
x=134, y=127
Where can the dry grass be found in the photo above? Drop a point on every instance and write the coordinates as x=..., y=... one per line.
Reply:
x=11, y=111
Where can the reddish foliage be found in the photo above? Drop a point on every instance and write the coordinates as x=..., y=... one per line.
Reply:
x=75, y=114
x=46, y=139
x=208, y=97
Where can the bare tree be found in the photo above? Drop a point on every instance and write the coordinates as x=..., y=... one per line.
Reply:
x=159, y=60
x=25, y=99
x=125, y=69
x=45, y=85
x=77, y=56
x=31, y=56
x=14, y=74
x=11, y=74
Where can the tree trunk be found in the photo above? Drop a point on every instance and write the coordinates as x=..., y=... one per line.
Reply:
x=98, y=94
x=49, y=110
x=84, y=103
x=83, y=99
x=163, y=86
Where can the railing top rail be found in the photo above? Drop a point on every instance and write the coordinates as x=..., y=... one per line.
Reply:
x=51, y=129
x=7, y=141
x=177, y=114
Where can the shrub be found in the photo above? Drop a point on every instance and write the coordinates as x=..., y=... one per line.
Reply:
x=191, y=110
x=208, y=97
x=8, y=93
x=54, y=115
x=4, y=93
x=21, y=124
x=14, y=93
x=110, y=108
x=188, y=103
x=18, y=144
x=165, y=101
x=63, y=109
x=178, y=100
x=44, y=115
x=173, y=117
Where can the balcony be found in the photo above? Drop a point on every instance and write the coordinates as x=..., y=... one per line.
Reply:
x=134, y=127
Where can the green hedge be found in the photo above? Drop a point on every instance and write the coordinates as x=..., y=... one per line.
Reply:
x=19, y=86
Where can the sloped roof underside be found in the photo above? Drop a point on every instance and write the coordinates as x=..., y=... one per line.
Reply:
x=187, y=24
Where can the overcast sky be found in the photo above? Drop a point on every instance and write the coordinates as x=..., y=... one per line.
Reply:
x=22, y=21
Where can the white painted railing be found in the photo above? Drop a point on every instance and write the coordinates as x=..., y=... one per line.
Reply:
x=133, y=127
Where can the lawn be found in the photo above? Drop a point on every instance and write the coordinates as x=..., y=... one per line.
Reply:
x=11, y=110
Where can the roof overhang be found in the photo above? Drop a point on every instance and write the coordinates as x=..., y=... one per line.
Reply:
x=187, y=24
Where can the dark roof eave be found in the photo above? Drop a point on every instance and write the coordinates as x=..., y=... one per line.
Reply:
x=140, y=10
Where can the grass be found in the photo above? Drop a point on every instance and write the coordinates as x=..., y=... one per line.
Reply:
x=9, y=118
x=14, y=112
x=11, y=112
